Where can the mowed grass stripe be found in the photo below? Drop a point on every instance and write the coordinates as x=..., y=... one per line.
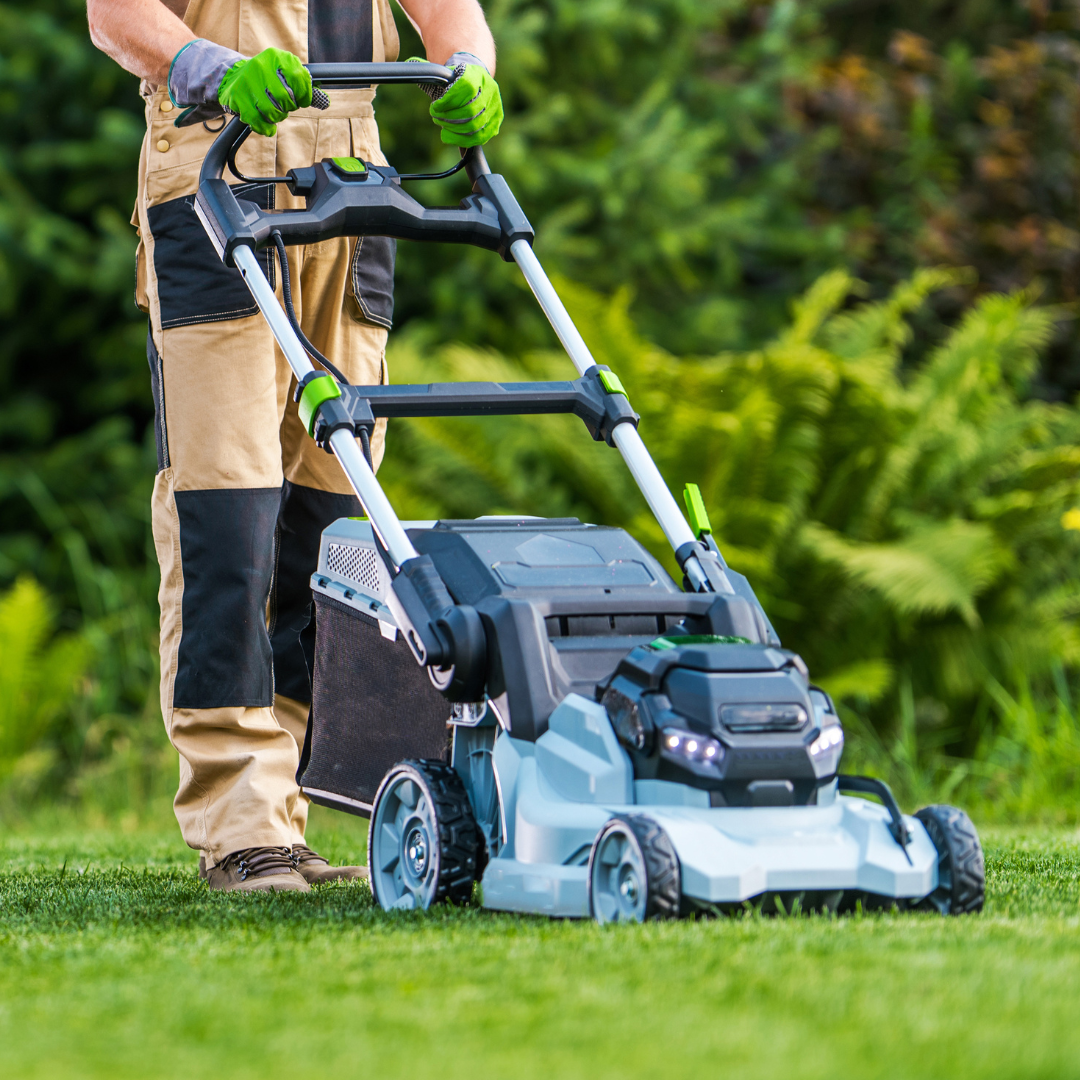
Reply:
x=138, y=971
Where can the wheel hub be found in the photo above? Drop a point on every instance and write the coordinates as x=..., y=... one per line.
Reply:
x=416, y=851
x=619, y=882
x=629, y=886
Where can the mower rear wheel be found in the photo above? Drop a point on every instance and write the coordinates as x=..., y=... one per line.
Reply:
x=961, y=886
x=423, y=841
x=633, y=872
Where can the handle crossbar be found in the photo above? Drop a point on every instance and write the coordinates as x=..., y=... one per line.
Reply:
x=588, y=398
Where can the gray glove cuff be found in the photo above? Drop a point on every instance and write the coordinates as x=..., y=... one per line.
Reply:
x=465, y=58
x=197, y=71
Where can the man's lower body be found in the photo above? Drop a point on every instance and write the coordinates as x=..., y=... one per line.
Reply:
x=240, y=500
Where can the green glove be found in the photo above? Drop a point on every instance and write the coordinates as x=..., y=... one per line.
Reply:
x=469, y=111
x=262, y=91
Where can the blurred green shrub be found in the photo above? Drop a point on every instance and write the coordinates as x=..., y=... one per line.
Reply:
x=949, y=149
x=717, y=156
x=1030, y=758
x=42, y=680
x=1025, y=766
x=71, y=340
x=75, y=468
x=62, y=735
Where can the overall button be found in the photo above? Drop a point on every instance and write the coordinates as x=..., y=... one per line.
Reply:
x=166, y=106
x=163, y=145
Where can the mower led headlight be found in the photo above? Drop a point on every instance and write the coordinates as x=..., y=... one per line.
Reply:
x=758, y=717
x=830, y=737
x=691, y=747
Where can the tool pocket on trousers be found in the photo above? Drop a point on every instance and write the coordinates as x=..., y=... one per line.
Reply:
x=372, y=279
x=194, y=285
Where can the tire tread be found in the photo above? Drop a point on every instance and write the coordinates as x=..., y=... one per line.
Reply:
x=662, y=871
x=952, y=828
x=458, y=832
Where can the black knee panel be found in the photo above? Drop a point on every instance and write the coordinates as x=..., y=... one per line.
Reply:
x=227, y=556
x=304, y=513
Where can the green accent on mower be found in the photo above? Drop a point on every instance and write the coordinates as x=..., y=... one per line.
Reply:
x=662, y=643
x=695, y=508
x=321, y=389
x=613, y=384
x=349, y=165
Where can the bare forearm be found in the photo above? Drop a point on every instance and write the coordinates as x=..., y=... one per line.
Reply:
x=450, y=26
x=142, y=36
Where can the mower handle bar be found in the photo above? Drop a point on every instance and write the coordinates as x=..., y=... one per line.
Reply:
x=703, y=575
x=345, y=76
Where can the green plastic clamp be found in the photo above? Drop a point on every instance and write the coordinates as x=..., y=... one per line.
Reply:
x=349, y=164
x=613, y=384
x=319, y=390
x=695, y=507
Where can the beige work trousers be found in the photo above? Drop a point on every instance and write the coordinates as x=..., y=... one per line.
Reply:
x=235, y=463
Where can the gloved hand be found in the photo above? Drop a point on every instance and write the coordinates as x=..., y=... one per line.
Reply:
x=469, y=111
x=262, y=90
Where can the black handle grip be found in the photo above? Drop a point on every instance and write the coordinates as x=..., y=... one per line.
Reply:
x=334, y=75
x=362, y=75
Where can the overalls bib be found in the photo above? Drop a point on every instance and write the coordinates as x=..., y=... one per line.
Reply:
x=242, y=494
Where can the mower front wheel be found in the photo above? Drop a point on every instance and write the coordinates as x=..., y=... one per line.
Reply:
x=961, y=884
x=423, y=841
x=633, y=872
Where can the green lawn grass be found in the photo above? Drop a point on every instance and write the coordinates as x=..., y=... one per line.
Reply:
x=116, y=962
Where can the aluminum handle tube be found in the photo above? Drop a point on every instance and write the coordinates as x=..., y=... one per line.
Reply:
x=351, y=458
x=377, y=506
x=662, y=503
x=652, y=485
x=263, y=292
x=548, y=299
x=625, y=436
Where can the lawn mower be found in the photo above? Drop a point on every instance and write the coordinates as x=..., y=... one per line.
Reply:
x=534, y=704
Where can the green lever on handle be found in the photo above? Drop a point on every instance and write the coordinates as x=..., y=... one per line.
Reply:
x=695, y=509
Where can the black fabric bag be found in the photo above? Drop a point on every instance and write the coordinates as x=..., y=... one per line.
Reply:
x=372, y=706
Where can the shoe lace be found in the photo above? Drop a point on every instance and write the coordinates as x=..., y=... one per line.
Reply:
x=302, y=854
x=252, y=862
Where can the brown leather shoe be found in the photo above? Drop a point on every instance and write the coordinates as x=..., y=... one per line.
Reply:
x=257, y=869
x=316, y=869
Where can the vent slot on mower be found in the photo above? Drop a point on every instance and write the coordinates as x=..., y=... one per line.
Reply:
x=563, y=626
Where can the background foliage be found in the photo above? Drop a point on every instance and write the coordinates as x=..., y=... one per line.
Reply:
x=903, y=528
x=832, y=248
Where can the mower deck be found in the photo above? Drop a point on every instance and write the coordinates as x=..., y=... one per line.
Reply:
x=727, y=855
